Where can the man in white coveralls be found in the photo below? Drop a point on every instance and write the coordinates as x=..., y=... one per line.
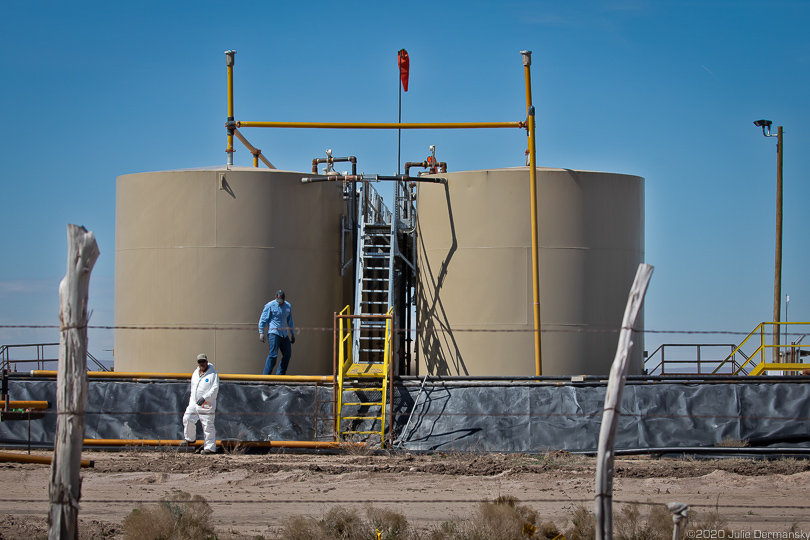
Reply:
x=202, y=405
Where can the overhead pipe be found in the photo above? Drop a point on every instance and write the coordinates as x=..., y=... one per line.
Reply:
x=257, y=154
x=229, y=124
x=382, y=125
x=538, y=359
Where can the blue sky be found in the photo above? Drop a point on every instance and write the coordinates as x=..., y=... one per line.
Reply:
x=667, y=90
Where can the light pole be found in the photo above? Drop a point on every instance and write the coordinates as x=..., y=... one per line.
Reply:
x=777, y=282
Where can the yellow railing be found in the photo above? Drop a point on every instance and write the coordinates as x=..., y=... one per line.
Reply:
x=344, y=347
x=792, y=349
x=345, y=328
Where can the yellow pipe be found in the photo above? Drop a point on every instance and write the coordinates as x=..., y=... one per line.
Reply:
x=44, y=460
x=27, y=404
x=222, y=376
x=538, y=359
x=257, y=154
x=381, y=125
x=229, y=61
x=249, y=444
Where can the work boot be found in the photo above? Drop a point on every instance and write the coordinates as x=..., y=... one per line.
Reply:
x=206, y=452
x=184, y=443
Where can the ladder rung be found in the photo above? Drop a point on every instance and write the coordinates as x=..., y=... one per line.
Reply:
x=376, y=255
x=364, y=388
x=374, y=303
x=380, y=433
x=375, y=291
x=375, y=279
x=361, y=418
x=369, y=403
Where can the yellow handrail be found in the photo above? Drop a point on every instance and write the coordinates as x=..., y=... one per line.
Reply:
x=735, y=351
x=764, y=366
x=387, y=352
x=344, y=351
x=345, y=327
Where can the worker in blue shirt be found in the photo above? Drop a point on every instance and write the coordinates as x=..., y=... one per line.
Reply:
x=277, y=318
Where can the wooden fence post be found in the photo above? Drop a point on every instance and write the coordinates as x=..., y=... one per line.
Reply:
x=71, y=385
x=603, y=501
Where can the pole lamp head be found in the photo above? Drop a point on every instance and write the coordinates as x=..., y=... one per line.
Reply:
x=765, y=125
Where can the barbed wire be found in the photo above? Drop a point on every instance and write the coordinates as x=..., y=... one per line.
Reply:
x=418, y=330
x=414, y=501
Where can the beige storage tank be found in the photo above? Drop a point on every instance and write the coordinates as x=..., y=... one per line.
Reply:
x=207, y=249
x=475, y=271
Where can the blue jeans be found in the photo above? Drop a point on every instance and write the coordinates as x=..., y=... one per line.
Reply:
x=277, y=343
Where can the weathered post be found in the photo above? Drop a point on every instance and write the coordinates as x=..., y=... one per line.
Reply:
x=613, y=399
x=680, y=516
x=71, y=385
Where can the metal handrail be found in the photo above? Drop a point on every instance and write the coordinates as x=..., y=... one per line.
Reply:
x=6, y=361
x=698, y=361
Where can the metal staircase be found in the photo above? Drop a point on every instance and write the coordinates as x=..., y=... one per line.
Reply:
x=371, y=344
x=374, y=291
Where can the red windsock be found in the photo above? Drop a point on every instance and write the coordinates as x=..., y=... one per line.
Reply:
x=404, y=66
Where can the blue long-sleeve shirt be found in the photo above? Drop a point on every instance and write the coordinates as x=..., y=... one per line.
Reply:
x=278, y=317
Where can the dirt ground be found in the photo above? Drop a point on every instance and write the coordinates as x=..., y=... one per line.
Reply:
x=252, y=494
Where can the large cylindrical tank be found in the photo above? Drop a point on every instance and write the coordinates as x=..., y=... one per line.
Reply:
x=475, y=300
x=198, y=253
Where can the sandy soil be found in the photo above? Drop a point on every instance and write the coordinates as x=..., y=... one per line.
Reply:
x=251, y=494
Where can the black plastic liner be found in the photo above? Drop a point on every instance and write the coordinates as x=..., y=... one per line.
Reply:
x=494, y=416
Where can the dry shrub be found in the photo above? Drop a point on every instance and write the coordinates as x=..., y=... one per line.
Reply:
x=341, y=523
x=178, y=517
x=502, y=519
x=583, y=525
x=730, y=442
x=392, y=525
x=302, y=528
x=710, y=522
x=344, y=523
x=630, y=524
